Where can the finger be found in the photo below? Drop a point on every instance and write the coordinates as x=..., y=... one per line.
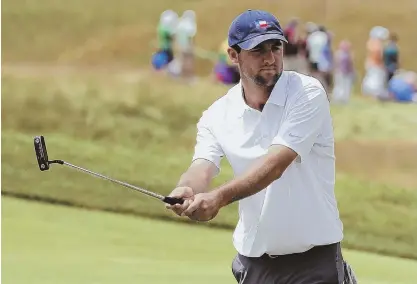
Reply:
x=180, y=208
x=192, y=207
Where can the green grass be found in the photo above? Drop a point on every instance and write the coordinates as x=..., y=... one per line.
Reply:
x=144, y=133
x=51, y=244
x=106, y=107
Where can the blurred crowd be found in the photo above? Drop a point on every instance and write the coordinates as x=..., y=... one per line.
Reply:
x=310, y=50
x=179, y=32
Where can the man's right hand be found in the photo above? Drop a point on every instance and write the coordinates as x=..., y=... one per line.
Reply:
x=185, y=193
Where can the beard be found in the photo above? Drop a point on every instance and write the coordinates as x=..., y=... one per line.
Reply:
x=266, y=82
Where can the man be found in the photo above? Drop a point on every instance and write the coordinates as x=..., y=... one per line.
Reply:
x=276, y=131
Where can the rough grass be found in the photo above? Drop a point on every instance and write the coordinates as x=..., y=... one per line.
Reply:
x=103, y=32
x=144, y=133
x=50, y=244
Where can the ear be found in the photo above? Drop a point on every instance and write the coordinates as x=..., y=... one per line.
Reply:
x=233, y=55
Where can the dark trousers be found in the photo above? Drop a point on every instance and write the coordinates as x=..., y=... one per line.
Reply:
x=319, y=265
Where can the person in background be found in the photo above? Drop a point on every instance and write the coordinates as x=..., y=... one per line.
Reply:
x=316, y=43
x=185, y=32
x=303, y=53
x=165, y=33
x=390, y=56
x=225, y=71
x=344, y=73
x=374, y=82
x=291, y=62
x=403, y=87
x=325, y=64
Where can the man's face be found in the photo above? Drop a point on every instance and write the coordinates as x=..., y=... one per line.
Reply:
x=262, y=64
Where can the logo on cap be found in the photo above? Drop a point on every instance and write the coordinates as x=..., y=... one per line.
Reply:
x=262, y=24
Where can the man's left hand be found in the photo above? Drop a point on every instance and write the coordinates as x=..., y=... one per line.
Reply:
x=204, y=207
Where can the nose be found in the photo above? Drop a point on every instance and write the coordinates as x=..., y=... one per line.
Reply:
x=269, y=57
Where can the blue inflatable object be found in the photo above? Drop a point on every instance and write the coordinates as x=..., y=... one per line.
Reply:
x=160, y=59
x=401, y=90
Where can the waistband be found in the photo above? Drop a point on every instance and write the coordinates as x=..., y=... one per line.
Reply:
x=314, y=250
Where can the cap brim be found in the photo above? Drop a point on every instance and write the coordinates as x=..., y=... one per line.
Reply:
x=251, y=43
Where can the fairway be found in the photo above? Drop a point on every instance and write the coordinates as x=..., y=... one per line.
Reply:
x=50, y=244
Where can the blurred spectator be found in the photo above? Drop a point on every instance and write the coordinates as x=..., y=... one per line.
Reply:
x=165, y=31
x=317, y=42
x=225, y=71
x=344, y=73
x=374, y=82
x=185, y=32
x=303, y=50
x=291, y=48
x=390, y=56
x=325, y=64
x=403, y=87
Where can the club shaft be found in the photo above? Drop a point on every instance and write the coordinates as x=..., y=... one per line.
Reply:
x=144, y=191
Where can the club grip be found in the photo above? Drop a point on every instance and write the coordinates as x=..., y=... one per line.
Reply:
x=173, y=200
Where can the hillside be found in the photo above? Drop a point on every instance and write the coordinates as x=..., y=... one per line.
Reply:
x=113, y=33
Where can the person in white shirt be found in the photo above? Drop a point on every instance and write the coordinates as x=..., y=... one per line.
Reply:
x=316, y=45
x=275, y=129
x=184, y=35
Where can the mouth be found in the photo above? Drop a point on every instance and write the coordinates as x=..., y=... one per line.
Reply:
x=269, y=69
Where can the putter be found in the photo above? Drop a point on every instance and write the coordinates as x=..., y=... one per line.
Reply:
x=43, y=162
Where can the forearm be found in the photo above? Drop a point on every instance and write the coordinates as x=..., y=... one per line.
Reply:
x=198, y=180
x=258, y=177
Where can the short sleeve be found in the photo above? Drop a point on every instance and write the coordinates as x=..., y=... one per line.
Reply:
x=304, y=121
x=207, y=146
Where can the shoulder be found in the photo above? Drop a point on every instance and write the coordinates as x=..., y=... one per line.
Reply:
x=300, y=84
x=304, y=89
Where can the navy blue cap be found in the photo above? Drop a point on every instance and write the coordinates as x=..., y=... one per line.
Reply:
x=254, y=27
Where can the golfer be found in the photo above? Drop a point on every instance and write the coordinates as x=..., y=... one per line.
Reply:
x=275, y=129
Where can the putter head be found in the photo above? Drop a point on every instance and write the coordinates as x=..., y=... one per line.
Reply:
x=41, y=153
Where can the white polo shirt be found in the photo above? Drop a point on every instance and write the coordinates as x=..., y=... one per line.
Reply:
x=298, y=210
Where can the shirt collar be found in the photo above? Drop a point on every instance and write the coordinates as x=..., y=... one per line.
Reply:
x=278, y=95
x=279, y=92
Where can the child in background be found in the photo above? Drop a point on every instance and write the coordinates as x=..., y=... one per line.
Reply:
x=343, y=73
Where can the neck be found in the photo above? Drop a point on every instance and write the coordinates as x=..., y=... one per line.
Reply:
x=254, y=95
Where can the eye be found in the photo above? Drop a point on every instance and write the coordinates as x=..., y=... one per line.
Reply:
x=276, y=47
